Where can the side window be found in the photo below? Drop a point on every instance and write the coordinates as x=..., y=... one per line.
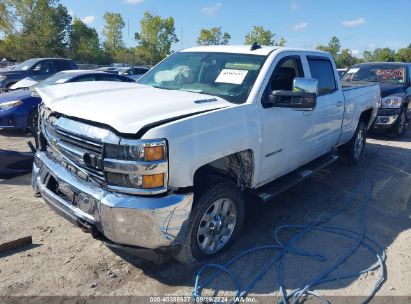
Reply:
x=141, y=71
x=44, y=68
x=284, y=74
x=107, y=78
x=322, y=70
x=62, y=65
x=84, y=78
x=409, y=74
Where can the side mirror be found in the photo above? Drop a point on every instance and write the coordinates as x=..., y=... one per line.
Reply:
x=305, y=85
x=303, y=96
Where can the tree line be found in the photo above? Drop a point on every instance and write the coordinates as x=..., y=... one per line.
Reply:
x=344, y=57
x=45, y=28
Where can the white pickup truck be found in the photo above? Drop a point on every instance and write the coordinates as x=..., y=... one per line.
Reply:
x=164, y=166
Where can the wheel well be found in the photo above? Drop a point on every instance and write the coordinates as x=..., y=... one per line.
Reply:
x=238, y=167
x=10, y=84
x=366, y=116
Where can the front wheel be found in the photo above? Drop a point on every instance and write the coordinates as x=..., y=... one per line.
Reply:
x=354, y=149
x=33, y=122
x=216, y=221
x=398, y=128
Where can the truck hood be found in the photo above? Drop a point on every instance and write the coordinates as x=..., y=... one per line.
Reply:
x=15, y=95
x=126, y=107
x=388, y=89
x=13, y=73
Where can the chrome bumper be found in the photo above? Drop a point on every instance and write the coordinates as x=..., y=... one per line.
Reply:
x=148, y=222
x=385, y=121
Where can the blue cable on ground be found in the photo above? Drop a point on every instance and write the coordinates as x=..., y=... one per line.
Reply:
x=299, y=294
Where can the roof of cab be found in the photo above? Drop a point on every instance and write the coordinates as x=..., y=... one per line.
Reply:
x=244, y=49
x=237, y=49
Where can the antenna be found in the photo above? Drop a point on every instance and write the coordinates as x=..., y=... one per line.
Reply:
x=255, y=46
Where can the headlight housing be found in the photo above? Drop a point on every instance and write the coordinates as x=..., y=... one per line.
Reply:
x=137, y=166
x=391, y=102
x=10, y=104
x=2, y=78
x=137, y=150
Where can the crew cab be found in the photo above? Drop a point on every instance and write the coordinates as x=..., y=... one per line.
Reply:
x=37, y=69
x=164, y=165
x=394, y=79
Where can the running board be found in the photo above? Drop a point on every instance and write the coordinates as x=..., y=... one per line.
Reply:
x=269, y=191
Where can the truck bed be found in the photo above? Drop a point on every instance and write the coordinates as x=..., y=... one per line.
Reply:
x=358, y=96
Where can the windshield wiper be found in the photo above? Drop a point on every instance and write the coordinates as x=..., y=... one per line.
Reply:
x=164, y=88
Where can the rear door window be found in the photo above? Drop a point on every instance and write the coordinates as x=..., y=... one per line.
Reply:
x=84, y=78
x=63, y=65
x=108, y=78
x=322, y=70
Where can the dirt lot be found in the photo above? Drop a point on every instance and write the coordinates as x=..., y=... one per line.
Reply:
x=63, y=261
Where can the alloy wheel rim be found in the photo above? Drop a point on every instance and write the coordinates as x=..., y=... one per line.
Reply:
x=359, y=144
x=402, y=123
x=216, y=226
x=34, y=122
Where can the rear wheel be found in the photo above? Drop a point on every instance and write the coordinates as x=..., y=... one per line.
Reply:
x=216, y=221
x=354, y=149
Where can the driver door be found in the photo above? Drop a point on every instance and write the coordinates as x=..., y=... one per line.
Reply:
x=286, y=132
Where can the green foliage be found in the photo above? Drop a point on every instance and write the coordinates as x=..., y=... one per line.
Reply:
x=380, y=55
x=343, y=58
x=262, y=37
x=404, y=54
x=85, y=45
x=155, y=38
x=213, y=36
x=113, y=33
x=35, y=28
x=332, y=47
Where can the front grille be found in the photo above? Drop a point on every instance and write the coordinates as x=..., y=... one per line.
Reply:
x=73, y=151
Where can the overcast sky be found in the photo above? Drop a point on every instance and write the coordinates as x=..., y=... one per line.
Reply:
x=359, y=24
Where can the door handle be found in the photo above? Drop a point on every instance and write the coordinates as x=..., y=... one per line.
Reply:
x=339, y=104
x=307, y=113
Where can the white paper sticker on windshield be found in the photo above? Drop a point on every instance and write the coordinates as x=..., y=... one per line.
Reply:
x=232, y=76
x=352, y=71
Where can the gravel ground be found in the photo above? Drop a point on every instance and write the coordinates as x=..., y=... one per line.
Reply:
x=63, y=261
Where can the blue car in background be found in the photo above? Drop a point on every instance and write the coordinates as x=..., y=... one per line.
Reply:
x=19, y=109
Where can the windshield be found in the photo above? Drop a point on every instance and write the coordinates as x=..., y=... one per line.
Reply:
x=376, y=73
x=25, y=65
x=230, y=76
x=55, y=79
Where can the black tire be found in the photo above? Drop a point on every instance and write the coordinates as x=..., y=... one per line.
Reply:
x=33, y=122
x=398, y=129
x=354, y=149
x=190, y=252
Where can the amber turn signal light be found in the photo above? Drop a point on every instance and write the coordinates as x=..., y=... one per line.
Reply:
x=153, y=181
x=154, y=153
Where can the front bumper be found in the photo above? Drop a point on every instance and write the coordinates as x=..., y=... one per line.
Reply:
x=383, y=122
x=13, y=118
x=127, y=220
x=386, y=118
